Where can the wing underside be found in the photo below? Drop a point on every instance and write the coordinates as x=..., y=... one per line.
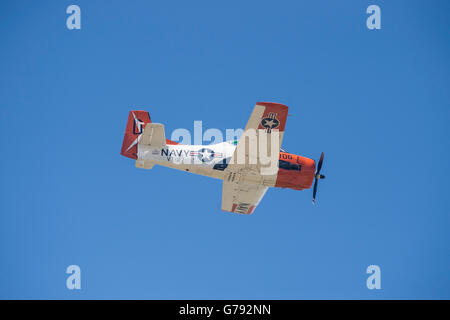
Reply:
x=248, y=179
x=269, y=119
x=241, y=197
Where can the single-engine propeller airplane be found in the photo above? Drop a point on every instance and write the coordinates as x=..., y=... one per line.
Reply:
x=243, y=184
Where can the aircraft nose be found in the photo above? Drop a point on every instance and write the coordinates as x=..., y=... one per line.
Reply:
x=308, y=165
x=307, y=172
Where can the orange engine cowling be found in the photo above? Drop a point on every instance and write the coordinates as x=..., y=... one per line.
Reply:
x=295, y=172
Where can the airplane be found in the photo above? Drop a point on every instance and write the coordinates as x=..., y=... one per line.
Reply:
x=243, y=183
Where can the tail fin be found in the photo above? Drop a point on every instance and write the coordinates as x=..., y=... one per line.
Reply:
x=135, y=126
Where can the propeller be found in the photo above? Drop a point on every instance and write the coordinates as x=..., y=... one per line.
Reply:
x=317, y=177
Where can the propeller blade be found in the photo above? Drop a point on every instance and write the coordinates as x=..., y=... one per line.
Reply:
x=320, y=163
x=317, y=177
x=314, y=192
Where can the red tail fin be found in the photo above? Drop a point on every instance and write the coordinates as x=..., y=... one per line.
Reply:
x=135, y=126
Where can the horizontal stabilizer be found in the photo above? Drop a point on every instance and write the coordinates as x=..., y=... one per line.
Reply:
x=154, y=135
x=144, y=164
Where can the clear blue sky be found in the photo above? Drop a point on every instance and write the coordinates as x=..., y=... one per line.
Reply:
x=376, y=102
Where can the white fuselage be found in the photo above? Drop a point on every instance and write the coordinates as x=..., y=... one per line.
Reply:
x=209, y=160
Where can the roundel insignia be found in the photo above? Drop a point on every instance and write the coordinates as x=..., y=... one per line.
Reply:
x=270, y=122
x=205, y=154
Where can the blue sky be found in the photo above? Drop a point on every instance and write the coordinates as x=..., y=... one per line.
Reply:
x=376, y=102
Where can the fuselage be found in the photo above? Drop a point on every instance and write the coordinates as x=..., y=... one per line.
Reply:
x=294, y=171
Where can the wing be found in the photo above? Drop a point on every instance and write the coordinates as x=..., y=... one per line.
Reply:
x=266, y=117
x=241, y=197
x=267, y=111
